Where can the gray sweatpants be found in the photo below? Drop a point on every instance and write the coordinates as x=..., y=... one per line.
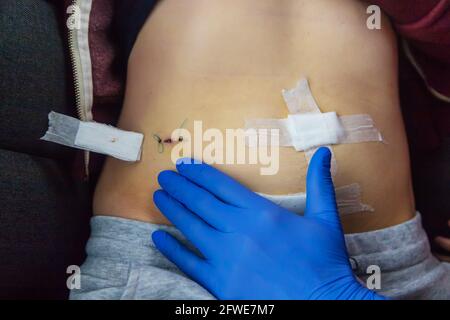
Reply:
x=122, y=263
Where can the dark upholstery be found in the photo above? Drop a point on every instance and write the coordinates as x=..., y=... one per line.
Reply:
x=44, y=212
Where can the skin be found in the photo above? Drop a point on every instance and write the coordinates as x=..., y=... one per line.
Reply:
x=444, y=243
x=226, y=61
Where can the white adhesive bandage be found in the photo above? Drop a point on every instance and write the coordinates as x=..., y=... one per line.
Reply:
x=298, y=131
x=309, y=130
x=315, y=129
x=302, y=131
x=95, y=137
x=300, y=100
x=306, y=128
x=348, y=199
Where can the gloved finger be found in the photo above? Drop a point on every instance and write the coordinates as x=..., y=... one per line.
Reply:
x=320, y=195
x=198, y=200
x=183, y=258
x=221, y=185
x=195, y=229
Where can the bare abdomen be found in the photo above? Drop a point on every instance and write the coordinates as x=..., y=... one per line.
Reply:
x=222, y=62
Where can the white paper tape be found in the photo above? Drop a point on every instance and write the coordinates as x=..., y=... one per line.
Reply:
x=94, y=136
x=310, y=130
x=306, y=128
x=346, y=129
x=300, y=99
x=360, y=128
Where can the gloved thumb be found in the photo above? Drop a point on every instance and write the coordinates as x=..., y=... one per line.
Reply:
x=320, y=195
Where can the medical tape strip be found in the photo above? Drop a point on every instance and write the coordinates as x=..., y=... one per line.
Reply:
x=348, y=199
x=299, y=100
x=311, y=130
x=95, y=137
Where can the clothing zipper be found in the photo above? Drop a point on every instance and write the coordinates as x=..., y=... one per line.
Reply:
x=76, y=67
x=78, y=82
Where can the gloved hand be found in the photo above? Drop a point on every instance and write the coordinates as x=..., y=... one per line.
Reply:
x=252, y=248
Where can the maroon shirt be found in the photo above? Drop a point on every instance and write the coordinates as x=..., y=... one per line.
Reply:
x=425, y=24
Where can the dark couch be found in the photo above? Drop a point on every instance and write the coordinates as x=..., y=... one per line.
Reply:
x=44, y=211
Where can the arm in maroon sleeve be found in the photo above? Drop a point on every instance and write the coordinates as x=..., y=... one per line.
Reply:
x=425, y=25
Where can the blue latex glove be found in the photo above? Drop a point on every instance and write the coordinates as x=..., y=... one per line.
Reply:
x=252, y=248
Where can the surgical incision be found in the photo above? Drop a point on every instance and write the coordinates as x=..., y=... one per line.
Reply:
x=162, y=142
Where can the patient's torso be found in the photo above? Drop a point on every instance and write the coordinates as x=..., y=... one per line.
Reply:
x=222, y=62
